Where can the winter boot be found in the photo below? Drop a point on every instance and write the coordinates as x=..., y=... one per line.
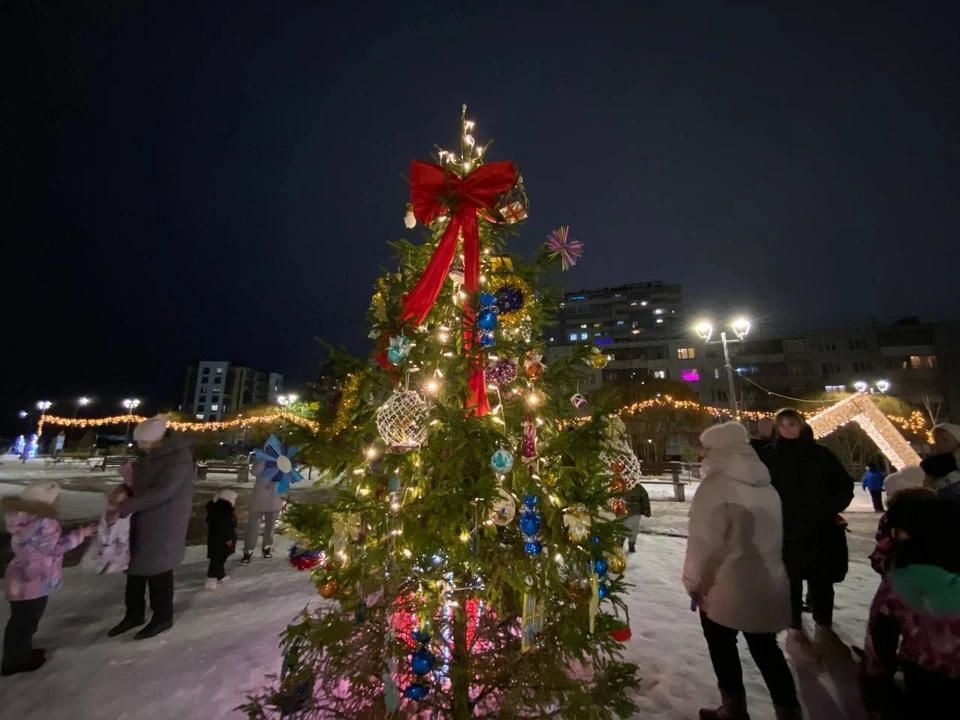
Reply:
x=267, y=552
x=733, y=707
x=802, y=650
x=211, y=584
x=247, y=557
x=224, y=580
x=632, y=547
x=36, y=661
x=125, y=625
x=788, y=713
x=153, y=629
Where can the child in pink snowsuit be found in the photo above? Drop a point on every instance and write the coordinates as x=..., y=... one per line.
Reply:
x=36, y=570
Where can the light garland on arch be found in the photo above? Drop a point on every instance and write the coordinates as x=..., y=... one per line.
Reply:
x=219, y=426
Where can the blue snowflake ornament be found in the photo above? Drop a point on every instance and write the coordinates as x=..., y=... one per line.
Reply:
x=278, y=464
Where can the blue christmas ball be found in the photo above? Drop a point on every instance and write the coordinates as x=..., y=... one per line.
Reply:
x=509, y=299
x=488, y=301
x=416, y=691
x=396, y=356
x=487, y=320
x=603, y=591
x=530, y=501
x=530, y=523
x=532, y=547
x=393, y=483
x=487, y=340
x=420, y=636
x=422, y=662
x=594, y=540
x=502, y=461
x=600, y=566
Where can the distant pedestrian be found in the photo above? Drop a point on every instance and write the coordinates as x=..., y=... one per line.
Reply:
x=221, y=536
x=734, y=571
x=160, y=506
x=638, y=506
x=38, y=544
x=872, y=482
x=264, y=507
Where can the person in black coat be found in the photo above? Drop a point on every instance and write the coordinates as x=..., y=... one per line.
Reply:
x=221, y=536
x=814, y=489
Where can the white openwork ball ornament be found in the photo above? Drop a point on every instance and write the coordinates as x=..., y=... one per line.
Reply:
x=504, y=508
x=402, y=421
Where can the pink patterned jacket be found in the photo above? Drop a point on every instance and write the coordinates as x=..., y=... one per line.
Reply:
x=38, y=546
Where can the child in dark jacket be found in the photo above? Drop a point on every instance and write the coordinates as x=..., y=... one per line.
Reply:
x=638, y=505
x=221, y=536
x=915, y=616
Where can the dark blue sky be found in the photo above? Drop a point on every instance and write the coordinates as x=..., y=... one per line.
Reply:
x=220, y=179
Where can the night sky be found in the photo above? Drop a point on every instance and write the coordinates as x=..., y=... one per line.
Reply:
x=220, y=179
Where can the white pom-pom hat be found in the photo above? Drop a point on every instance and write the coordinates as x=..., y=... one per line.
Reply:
x=46, y=492
x=724, y=435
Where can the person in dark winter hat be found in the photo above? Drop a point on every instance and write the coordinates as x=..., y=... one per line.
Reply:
x=872, y=482
x=160, y=505
x=814, y=488
x=38, y=546
x=221, y=536
x=734, y=573
x=914, y=624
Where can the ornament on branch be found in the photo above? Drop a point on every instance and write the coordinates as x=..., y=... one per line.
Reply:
x=456, y=273
x=619, y=455
x=561, y=245
x=578, y=401
x=346, y=530
x=402, y=421
x=533, y=366
x=305, y=559
x=502, y=461
x=279, y=465
x=529, y=447
x=399, y=350
x=421, y=663
x=514, y=205
x=531, y=621
x=329, y=589
x=409, y=220
x=530, y=524
x=502, y=372
x=617, y=561
x=504, y=508
x=597, y=360
x=577, y=521
x=487, y=319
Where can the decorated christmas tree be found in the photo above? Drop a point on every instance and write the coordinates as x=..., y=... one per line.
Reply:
x=473, y=557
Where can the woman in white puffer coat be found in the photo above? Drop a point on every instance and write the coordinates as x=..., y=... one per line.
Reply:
x=734, y=571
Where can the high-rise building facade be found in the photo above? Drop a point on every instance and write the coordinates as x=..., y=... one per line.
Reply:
x=216, y=388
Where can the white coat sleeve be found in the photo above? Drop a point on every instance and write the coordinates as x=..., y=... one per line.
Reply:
x=706, y=542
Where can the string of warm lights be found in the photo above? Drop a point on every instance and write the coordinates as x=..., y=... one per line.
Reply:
x=221, y=426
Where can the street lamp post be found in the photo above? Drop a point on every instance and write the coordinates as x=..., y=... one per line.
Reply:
x=130, y=404
x=81, y=402
x=42, y=406
x=286, y=401
x=740, y=327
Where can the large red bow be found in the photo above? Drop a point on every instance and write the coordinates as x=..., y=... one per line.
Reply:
x=434, y=191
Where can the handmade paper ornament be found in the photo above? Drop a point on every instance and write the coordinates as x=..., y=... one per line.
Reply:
x=561, y=245
x=279, y=465
x=577, y=521
x=329, y=589
x=502, y=461
x=513, y=206
x=502, y=372
x=533, y=366
x=346, y=530
x=504, y=508
x=402, y=421
x=578, y=401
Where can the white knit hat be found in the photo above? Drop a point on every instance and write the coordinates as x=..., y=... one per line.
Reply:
x=724, y=435
x=910, y=477
x=42, y=491
x=150, y=430
x=951, y=428
x=229, y=495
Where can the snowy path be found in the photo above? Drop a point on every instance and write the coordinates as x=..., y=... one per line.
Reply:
x=224, y=644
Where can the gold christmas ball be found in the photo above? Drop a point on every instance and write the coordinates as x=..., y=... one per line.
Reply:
x=534, y=370
x=617, y=562
x=329, y=589
x=598, y=361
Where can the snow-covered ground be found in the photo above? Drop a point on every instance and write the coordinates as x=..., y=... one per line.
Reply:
x=225, y=643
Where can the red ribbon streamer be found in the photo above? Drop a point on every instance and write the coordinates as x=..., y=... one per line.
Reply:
x=434, y=191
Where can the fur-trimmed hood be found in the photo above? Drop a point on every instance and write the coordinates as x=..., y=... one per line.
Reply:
x=16, y=504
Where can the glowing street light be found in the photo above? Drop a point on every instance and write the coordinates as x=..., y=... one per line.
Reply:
x=287, y=400
x=862, y=386
x=883, y=385
x=22, y=414
x=130, y=404
x=741, y=328
x=44, y=405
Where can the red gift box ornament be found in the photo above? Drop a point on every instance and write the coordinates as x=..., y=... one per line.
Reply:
x=436, y=191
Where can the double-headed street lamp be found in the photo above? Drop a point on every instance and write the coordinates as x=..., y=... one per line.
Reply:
x=130, y=404
x=862, y=386
x=740, y=327
x=287, y=400
x=42, y=406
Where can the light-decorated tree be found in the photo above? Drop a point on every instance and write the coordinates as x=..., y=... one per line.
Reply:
x=472, y=559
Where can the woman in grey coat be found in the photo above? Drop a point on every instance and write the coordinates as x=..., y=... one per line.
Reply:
x=265, y=504
x=160, y=504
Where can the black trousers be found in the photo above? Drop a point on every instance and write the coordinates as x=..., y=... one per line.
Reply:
x=216, y=568
x=877, y=497
x=722, y=643
x=161, y=596
x=21, y=627
x=821, y=600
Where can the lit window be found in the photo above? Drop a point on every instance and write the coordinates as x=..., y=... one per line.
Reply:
x=644, y=303
x=573, y=336
x=551, y=339
x=199, y=416
x=835, y=388
x=659, y=321
x=620, y=322
x=662, y=374
x=686, y=353
x=583, y=327
x=716, y=373
x=690, y=375
x=658, y=311
x=220, y=371
x=633, y=304
x=583, y=336
x=214, y=408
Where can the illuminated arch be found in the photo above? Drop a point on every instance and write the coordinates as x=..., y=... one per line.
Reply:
x=861, y=410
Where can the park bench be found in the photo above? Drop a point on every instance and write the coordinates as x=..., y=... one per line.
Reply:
x=672, y=469
x=240, y=467
x=106, y=461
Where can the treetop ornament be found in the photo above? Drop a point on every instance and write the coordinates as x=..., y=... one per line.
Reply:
x=460, y=190
x=278, y=464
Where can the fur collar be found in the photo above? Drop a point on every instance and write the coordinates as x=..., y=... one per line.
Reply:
x=17, y=504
